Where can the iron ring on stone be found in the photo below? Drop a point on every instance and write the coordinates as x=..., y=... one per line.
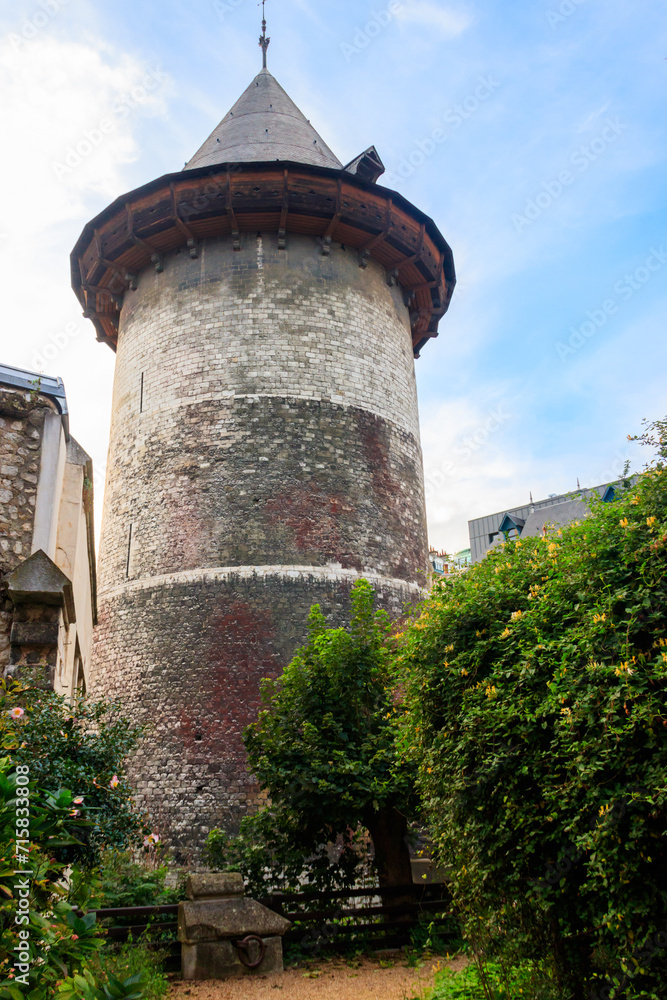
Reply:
x=243, y=948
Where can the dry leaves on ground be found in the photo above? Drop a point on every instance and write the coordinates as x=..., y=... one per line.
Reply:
x=371, y=979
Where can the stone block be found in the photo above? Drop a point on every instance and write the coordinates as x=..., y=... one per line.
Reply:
x=214, y=886
x=220, y=960
x=35, y=634
x=38, y=580
x=211, y=920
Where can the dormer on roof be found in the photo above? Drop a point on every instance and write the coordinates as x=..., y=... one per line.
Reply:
x=367, y=165
x=511, y=523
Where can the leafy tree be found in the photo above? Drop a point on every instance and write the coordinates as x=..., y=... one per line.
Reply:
x=41, y=927
x=324, y=747
x=539, y=722
x=49, y=947
x=272, y=854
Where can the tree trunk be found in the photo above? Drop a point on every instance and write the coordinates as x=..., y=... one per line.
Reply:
x=388, y=829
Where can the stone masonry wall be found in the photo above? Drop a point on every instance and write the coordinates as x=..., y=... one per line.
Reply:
x=21, y=425
x=187, y=656
x=214, y=357
x=264, y=453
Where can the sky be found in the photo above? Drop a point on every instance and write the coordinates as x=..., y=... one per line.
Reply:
x=531, y=131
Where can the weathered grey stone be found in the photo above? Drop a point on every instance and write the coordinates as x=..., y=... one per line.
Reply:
x=39, y=581
x=35, y=633
x=214, y=886
x=213, y=920
x=220, y=960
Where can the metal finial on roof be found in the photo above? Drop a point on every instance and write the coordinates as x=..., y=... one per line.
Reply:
x=263, y=40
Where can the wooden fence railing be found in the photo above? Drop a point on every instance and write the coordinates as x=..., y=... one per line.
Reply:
x=320, y=920
x=386, y=920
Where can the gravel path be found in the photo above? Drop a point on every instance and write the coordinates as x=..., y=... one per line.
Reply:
x=328, y=980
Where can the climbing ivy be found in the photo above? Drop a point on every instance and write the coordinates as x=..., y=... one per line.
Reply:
x=539, y=724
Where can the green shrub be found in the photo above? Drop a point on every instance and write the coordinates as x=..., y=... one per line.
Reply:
x=81, y=747
x=324, y=747
x=65, y=948
x=124, y=879
x=55, y=940
x=269, y=853
x=491, y=981
x=539, y=722
x=132, y=970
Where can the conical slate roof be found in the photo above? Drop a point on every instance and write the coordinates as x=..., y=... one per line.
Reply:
x=264, y=124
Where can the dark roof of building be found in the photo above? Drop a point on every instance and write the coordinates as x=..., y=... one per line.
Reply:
x=367, y=165
x=556, y=516
x=264, y=124
x=46, y=385
x=511, y=520
x=487, y=532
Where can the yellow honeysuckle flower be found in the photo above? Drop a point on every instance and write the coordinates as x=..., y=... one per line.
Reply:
x=623, y=522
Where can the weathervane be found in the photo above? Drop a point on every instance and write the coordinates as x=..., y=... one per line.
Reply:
x=263, y=40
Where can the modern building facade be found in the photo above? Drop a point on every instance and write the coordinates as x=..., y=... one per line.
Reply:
x=47, y=552
x=442, y=563
x=533, y=518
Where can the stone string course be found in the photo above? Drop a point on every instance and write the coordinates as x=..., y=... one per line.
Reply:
x=264, y=453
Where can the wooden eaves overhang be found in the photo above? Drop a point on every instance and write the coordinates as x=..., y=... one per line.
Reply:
x=183, y=209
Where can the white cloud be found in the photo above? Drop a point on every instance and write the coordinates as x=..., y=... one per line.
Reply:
x=80, y=106
x=69, y=117
x=450, y=23
x=469, y=461
x=477, y=462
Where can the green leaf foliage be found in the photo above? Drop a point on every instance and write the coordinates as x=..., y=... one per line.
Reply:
x=324, y=746
x=271, y=854
x=82, y=748
x=539, y=723
x=122, y=880
x=490, y=981
x=66, y=949
x=80, y=988
x=60, y=942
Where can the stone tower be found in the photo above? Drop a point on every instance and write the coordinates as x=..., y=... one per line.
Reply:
x=265, y=304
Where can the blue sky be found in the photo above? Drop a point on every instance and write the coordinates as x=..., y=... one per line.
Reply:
x=533, y=133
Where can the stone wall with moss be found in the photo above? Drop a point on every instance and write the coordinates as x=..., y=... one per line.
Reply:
x=21, y=425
